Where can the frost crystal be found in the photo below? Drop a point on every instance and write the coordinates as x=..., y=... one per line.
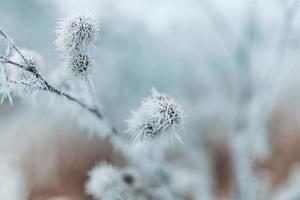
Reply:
x=103, y=183
x=159, y=115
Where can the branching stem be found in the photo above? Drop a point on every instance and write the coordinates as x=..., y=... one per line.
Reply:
x=47, y=86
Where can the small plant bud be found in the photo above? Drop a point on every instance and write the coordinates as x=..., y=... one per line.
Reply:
x=159, y=115
x=103, y=183
x=76, y=32
x=130, y=177
x=80, y=64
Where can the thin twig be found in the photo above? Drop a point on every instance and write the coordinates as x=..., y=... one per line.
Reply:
x=13, y=45
x=50, y=88
x=91, y=89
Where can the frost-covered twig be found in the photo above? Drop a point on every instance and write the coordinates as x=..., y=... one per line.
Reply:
x=12, y=44
x=52, y=89
x=46, y=86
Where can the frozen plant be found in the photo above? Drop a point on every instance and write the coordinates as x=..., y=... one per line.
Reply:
x=75, y=36
x=159, y=116
x=33, y=58
x=28, y=66
x=107, y=182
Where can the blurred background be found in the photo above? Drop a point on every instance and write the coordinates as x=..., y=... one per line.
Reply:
x=231, y=64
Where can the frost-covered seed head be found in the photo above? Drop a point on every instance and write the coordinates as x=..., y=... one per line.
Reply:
x=103, y=183
x=159, y=115
x=80, y=64
x=76, y=32
x=34, y=61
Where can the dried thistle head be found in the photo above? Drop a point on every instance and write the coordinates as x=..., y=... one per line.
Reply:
x=74, y=37
x=79, y=64
x=103, y=183
x=158, y=116
x=76, y=32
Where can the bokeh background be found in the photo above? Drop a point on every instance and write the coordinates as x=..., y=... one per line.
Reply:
x=190, y=49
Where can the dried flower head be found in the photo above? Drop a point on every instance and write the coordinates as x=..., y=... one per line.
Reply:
x=80, y=64
x=74, y=37
x=159, y=115
x=76, y=32
x=103, y=183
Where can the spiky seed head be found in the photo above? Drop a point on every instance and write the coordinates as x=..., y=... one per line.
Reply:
x=80, y=64
x=34, y=61
x=159, y=115
x=76, y=32
x=103, y=183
